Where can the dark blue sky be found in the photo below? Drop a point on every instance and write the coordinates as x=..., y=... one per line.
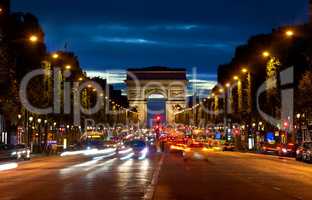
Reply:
x=116, y=34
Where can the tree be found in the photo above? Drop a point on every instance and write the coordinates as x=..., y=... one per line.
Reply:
x=304, y=101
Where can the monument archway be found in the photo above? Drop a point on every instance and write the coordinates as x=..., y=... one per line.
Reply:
x=168, y=82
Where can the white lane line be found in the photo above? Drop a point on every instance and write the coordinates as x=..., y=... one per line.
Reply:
x=151, y=188
x=277, y=188
x=8, y=166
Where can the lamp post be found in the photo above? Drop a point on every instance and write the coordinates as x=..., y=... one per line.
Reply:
x=29, y=129
x=33, y=39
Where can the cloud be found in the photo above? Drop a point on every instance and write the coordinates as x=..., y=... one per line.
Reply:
x=166, y=43
x=199, y=87
x=202, y=84
x=124, y=40
x=173, y=27
x=112, y=76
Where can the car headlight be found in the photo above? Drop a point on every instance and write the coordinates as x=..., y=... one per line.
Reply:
x=284, y=150
x=13, y=153
x=144, y=151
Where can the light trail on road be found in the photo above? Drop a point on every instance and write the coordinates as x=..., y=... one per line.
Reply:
x=8, y=166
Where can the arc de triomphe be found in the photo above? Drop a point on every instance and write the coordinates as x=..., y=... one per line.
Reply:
x=169, y=82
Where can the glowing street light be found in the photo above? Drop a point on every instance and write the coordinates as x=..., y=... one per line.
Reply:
x=31, y=119
x=227, y=85
x=235, y=78
x=298, y=116
x=289, y=33
x=55, y=56
x=19, y=116
x=68, y=67
x=33, y=39
x=39, y=120
x=221, y=90
x=80, y=79
x=265, y=54
x=244, y=70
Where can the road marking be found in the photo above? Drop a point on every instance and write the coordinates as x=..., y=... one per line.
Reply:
x=277, y=188
x=151, y=188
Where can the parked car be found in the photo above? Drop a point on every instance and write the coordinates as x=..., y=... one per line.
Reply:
x=228, y=147
x=304, y=152
x=268, y=148
x=14, y=152
x=287, y=150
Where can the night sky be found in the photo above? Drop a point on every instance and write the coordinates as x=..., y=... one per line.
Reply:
x=116, y=34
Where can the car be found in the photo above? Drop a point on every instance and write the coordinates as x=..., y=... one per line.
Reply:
x=304, y=152
x=268, y=148
x=139, y=148
x=110, y=144
x=286, y=150
x=14, y=152
x=228, y=147
x=195, y=150
x=177, y=147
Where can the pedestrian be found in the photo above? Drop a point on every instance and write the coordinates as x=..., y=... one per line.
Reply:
x=49, y=149
x=162, y=146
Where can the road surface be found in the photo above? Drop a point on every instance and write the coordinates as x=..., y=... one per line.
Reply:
x=225, y=175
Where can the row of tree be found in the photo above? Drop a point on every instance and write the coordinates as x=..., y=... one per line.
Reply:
x=22, y=50
x=257, y=63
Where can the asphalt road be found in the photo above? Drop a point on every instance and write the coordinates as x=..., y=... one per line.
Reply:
x=162, y=176
x=232, y=175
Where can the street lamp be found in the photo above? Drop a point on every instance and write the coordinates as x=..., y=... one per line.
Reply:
x=265, y=54
x=39, y=120
x=298, y=116
x=31, y=119
x=244, y=70
x=221, y=90
x=68, y=67
x=55, y=56
x=33, y=38
x=19, y=116
x=227, y=85
x=289, y=33
x=235, y=78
